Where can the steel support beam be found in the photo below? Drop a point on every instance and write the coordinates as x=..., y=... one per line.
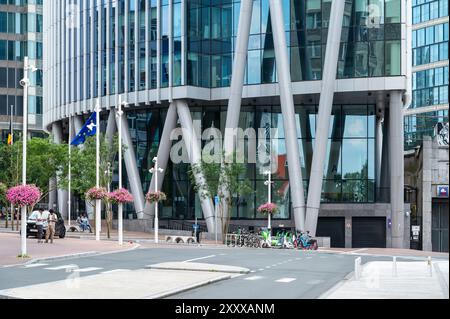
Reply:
x=131, y=166
x=62, y=194
x=236, y=86
x=379, y=141
x=287, y=108
x=325, y=108
x=396, y=163
x=165, y=144
x=194, y=152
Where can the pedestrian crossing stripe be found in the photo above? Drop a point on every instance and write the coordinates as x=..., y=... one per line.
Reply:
x=35, y=265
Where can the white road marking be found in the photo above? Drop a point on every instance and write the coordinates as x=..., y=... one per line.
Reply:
x=114, y=270
x=62, y=267
x=187, y=261
x=253, y=278
x=87, y=269
x=35, y=265
x=314, y=282
x=308, y=257
x=268, y=267
x=286, y=280
x=261, y=269
x=298, y=259
x=357, y=251
x=253, y=271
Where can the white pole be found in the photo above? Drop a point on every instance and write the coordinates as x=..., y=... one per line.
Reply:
x=69, y=202
x=98, y=203
x=394, y=267
x=430, y=266
x=120, y=213
x=23, y=221
x=156, y=205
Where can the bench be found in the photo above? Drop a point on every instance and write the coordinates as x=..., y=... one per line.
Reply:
x=181, y=239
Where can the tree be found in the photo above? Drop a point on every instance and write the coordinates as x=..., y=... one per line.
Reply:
x=44, y=158
x=235, y=181
x=83, y=169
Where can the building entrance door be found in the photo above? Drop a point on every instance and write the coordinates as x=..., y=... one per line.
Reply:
x=439, y=225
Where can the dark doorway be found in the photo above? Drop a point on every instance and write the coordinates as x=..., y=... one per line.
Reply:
x=369, y=232
x=333, y=227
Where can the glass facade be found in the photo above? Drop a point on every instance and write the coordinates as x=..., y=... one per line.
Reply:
x=21, y=28
x=131, y=46
x=349, y=174
x=430, y=69
x=193, y=42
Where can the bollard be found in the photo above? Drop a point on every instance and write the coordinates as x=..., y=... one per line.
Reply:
x=394, y=267
x=358, y=268
x=430, y=266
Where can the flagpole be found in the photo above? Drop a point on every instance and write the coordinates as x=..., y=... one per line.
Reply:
x=70, y=171
x=98, y=202
x=120, y=212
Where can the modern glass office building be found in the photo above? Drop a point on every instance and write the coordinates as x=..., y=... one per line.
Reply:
x=21, y=26
x=430, y=70
x=250, y=64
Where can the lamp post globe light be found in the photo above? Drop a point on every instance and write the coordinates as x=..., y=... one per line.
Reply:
x=155, y=170
x=25, y=82
x=119, y=115
x=269, y=183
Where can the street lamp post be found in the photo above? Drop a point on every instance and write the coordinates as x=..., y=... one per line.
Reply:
x=269, y=183
x=120, y=212
x=25, y=82
x=155, y=170
x=98, y=202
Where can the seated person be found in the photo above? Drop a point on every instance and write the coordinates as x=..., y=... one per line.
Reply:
x=85, y=223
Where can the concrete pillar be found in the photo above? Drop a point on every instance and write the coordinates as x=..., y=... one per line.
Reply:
x=287, y=108
x=236, y=86
x=396, y=162
x=134, y=178
x=325, y=108
x=348, y=231
x=165, y=144
x=426, y=194
x=63, y=196
x=194, y=152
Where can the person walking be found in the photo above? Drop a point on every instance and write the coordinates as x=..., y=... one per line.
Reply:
x=52, y=219
x=40, y=224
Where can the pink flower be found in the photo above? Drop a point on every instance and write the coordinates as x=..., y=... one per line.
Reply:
x=155, y=197
x=23, y=195
x=268, y=208
x=96, y=193
x=121, y=196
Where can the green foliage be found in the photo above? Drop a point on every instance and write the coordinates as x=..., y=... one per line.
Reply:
x=230, y=177
x=83, y=162
x=3, y=189
x=44, y=158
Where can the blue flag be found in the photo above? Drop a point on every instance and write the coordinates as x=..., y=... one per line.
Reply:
x=89, y=129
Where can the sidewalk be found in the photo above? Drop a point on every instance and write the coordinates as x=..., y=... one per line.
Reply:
x=385, y=252
x=10, y=248
x=377, y=281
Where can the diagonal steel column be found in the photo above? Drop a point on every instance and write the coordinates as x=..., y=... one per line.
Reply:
x=287, y=108
x=62, y=194
x=131, y=166
x=194, y=152
x=165, y=144
x=237, y=84
x=325, y=107
x=111, y=127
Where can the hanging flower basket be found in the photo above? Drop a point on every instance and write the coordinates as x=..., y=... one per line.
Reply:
x=23, y=195
x=155, y=197
x=120, y=196
x=268, y=208
x=96, y=193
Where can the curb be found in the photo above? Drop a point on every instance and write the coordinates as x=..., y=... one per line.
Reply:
x=70, y=256
x=187, y=288
x=241, y=272
x=442, y=282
